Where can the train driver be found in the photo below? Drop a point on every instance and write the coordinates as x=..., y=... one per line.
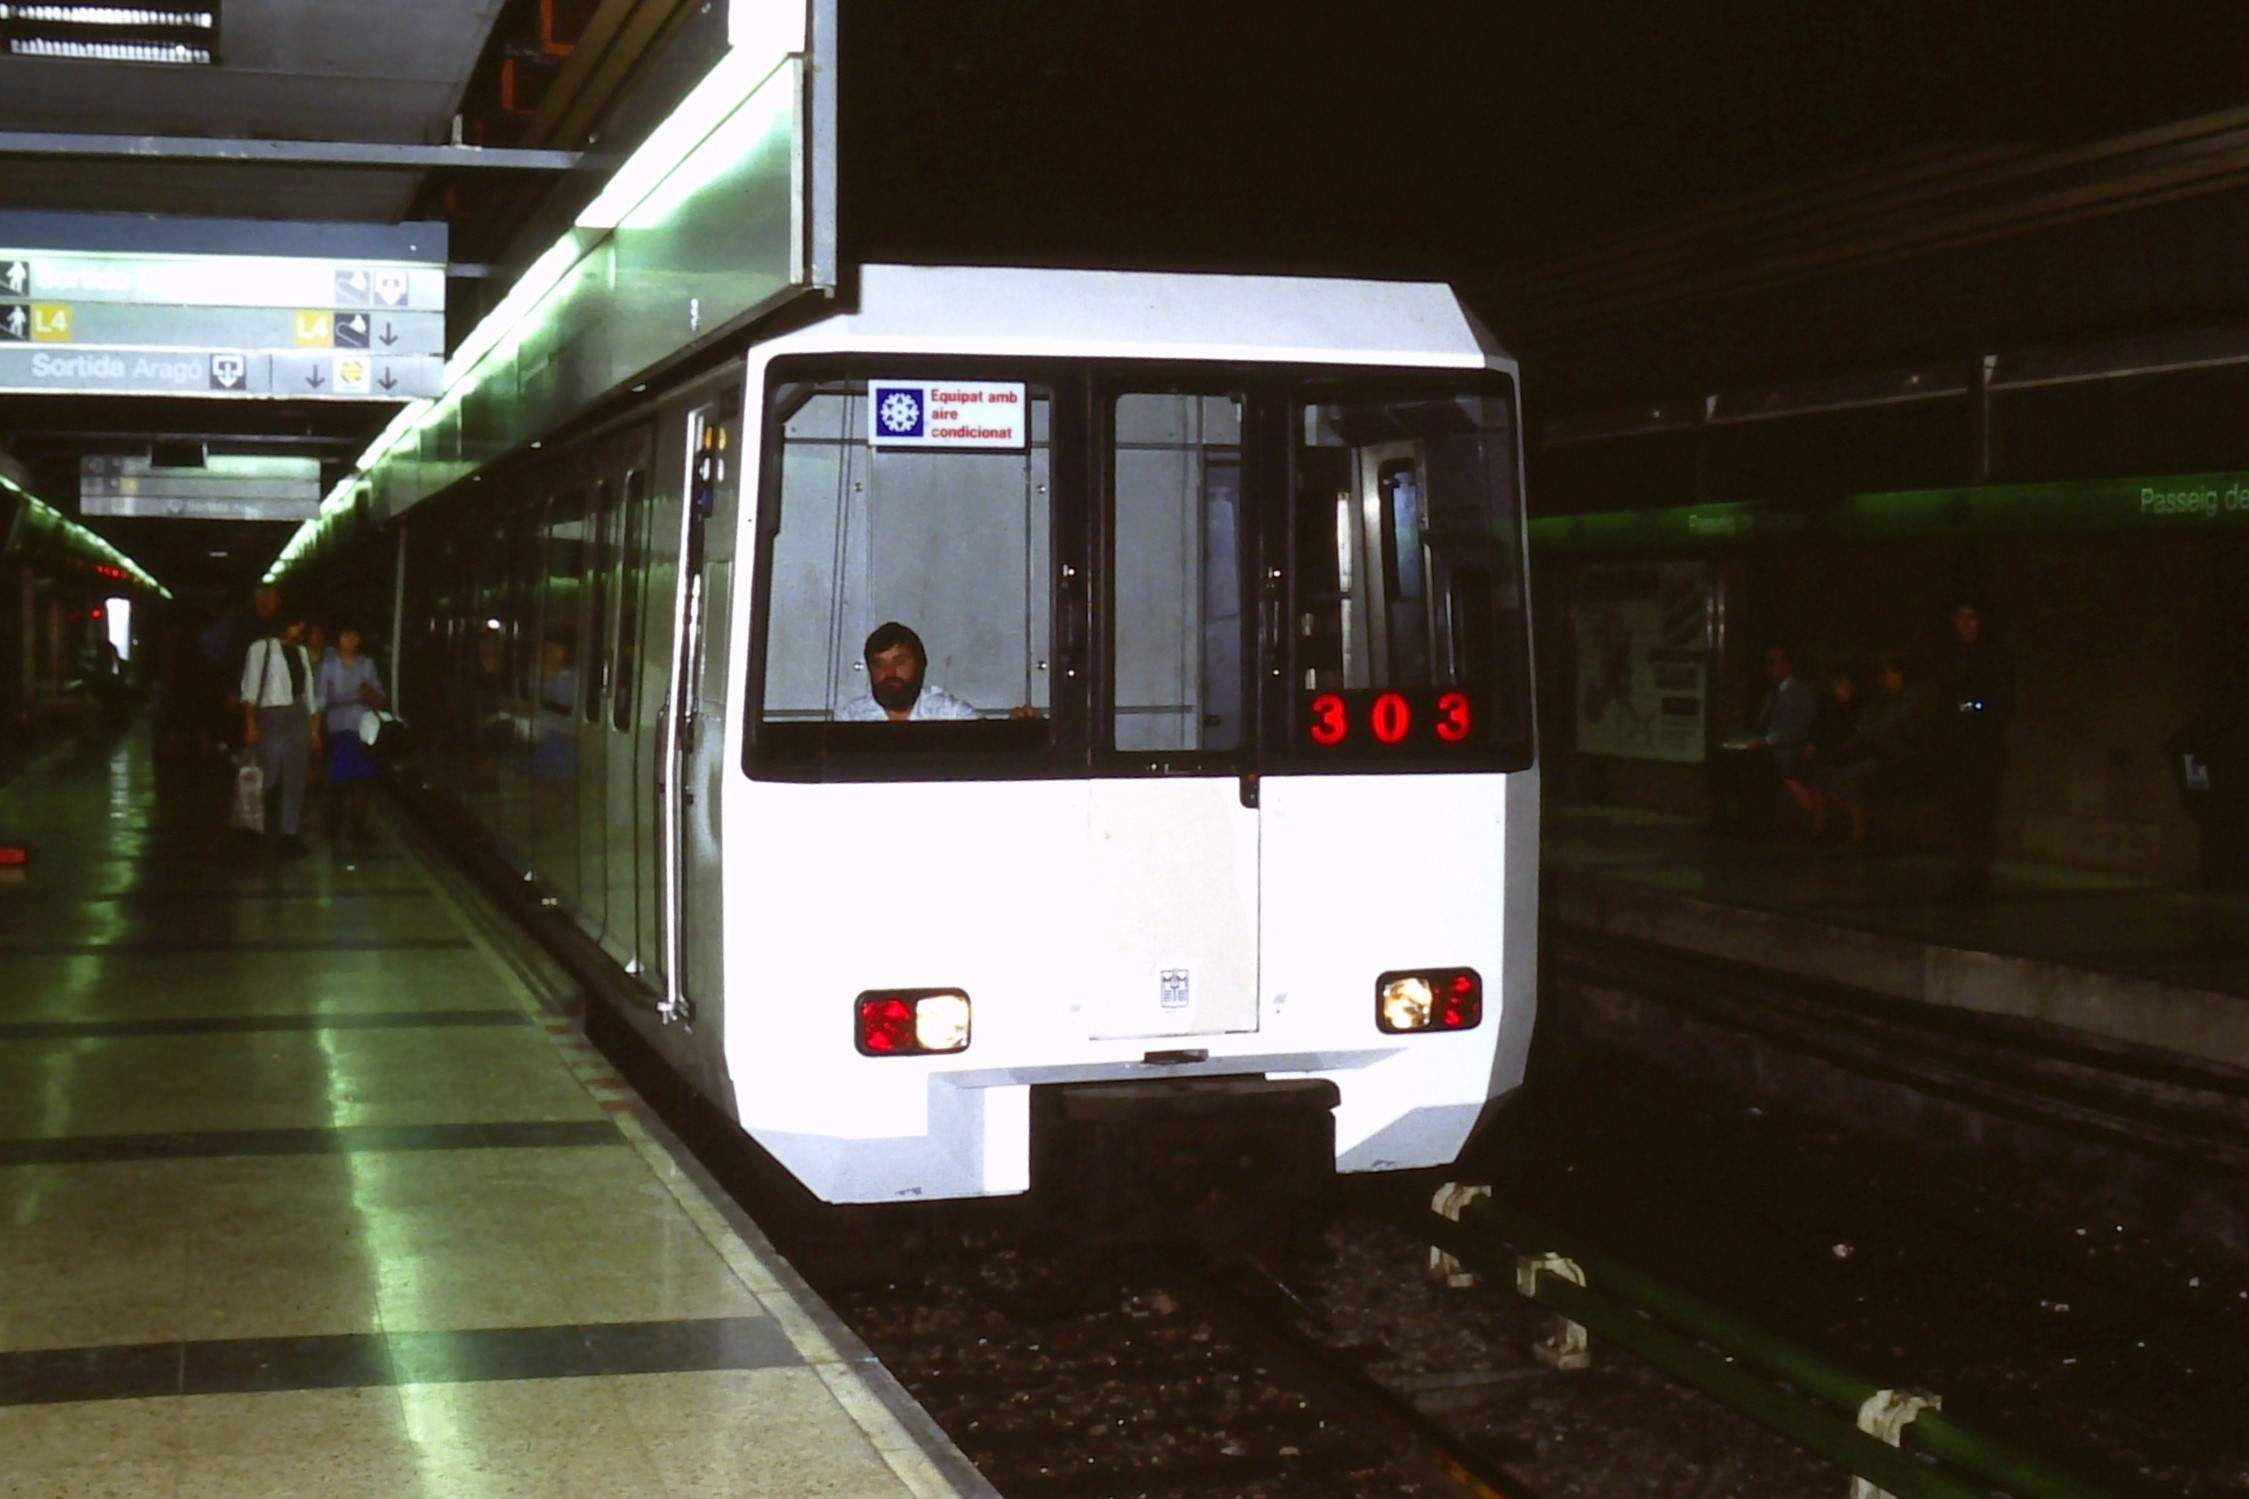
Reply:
x=896, y=691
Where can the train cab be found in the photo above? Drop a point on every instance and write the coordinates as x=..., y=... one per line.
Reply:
x=1130, y=721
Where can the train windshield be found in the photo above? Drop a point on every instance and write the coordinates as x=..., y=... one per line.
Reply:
x=1056, y=568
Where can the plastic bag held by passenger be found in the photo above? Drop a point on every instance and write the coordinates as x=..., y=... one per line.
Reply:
x=249, y=812
x=384, y=734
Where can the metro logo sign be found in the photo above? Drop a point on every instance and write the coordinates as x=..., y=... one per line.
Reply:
x=947, y=414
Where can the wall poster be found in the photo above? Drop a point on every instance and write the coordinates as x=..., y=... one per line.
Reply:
x=1641, y=631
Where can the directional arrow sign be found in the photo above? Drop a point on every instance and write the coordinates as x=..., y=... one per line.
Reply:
x=125, y=325
x=218, y=280
x=74, y=368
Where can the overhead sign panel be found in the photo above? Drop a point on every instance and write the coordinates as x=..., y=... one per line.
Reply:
x=220, y=281
x=129, y=325
x=198, y=507
x=227, y=486
x=44, y=369
x=220, y=325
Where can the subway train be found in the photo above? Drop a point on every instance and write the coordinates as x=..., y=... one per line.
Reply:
x=74, y=612
x=1205, y=860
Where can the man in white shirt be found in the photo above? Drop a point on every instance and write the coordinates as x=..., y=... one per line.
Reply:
x=896, y=692
x=281, y=717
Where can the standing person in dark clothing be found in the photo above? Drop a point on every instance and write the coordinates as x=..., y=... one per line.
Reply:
x=1976, y=691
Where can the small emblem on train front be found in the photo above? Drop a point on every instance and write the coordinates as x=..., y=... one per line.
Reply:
x=1175, y=989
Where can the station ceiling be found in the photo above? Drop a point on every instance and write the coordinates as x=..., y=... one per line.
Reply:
x=313, y=70
x=1487, y=144
x=288, y=70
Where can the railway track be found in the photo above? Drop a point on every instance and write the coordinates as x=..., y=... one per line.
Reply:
x=1182, y=1378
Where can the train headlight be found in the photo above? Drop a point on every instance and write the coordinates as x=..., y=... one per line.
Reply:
x=1431, y=999
x=911, y=1022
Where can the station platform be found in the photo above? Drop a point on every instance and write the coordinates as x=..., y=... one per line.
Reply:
x=2103, y=960
x=309, y=1184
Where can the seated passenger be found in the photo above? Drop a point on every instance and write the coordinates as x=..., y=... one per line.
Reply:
x=896, y=691
x=1750, y=771
x=1889, y=752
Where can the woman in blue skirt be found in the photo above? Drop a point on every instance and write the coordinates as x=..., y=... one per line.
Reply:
x=349, y=686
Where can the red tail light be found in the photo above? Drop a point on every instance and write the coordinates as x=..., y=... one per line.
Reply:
x=912, y=1022
x=886, y=1025
x=1461, y=1006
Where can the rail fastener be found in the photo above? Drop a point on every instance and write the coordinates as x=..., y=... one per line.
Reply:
x=1826, y=1410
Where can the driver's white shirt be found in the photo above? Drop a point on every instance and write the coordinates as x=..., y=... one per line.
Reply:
x=935, y=705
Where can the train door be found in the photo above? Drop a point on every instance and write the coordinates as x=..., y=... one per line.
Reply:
x=1177, y=852
x=1395, y=682
x=697, y=722
x=556, y=688
x=600, y=635
x=628, y=834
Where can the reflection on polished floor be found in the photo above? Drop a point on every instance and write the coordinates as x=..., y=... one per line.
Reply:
x=304, y=1190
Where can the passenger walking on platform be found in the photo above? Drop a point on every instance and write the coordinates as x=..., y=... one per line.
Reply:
x=223, y=644
x=349, y=687
x=281, y=718
x=1977, y=696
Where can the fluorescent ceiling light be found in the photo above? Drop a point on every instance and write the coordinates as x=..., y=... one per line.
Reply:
x=164, y=52
x=109, y=15
x=96, y=31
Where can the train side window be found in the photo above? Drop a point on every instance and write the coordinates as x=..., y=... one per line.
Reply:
x=602, y=526
x=489, y=678
x=561, y=605
x=632, y=592
x=525, y=530
x=878, y=513
x=1176, y=585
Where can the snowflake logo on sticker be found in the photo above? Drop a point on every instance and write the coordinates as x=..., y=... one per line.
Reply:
x=900, y=412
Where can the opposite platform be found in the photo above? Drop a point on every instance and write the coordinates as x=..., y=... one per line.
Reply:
x=308, y=1186
x=2117, y=963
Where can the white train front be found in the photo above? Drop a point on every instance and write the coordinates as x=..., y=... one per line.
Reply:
x=1230, y=569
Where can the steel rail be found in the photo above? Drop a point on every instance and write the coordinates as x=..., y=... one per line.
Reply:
x=1625, y=1301
x=1327, y=1371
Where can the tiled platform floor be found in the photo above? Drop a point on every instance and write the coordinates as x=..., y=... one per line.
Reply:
x=304, y=1191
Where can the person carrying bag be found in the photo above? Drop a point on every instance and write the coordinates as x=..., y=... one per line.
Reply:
x=281, y=719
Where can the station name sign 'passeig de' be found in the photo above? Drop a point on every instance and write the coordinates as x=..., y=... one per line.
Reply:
x=220, y=325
